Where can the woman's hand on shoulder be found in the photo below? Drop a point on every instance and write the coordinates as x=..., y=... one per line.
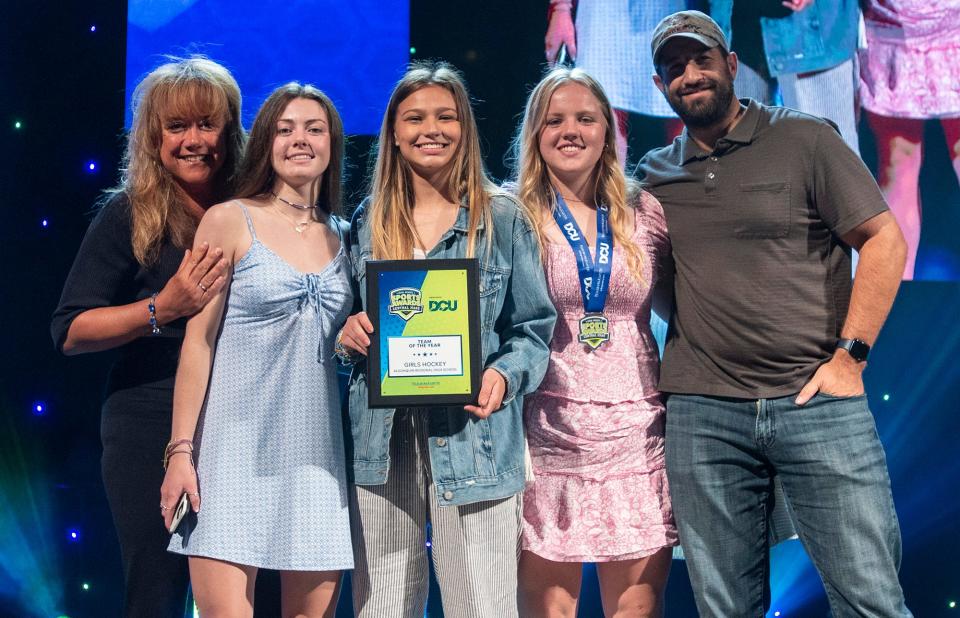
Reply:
x=204, y=269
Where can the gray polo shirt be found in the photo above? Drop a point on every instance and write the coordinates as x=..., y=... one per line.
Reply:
x=762, y=278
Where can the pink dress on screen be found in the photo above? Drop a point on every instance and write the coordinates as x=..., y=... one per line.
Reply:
x=911, y=67
x=595, y=427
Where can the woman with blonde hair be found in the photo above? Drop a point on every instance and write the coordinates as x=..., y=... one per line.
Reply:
x=458, y=469
x=596, y=424
x=132, y=286
x=256, y=388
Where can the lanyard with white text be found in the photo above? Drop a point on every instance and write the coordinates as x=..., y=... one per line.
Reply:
x=594, y=274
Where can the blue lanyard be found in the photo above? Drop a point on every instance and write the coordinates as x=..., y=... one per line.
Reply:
x=594, y=274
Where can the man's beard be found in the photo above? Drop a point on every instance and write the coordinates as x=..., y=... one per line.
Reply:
x=709, y=112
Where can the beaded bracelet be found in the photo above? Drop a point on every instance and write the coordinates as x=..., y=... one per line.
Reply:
x=152, y=307
x=346, y=356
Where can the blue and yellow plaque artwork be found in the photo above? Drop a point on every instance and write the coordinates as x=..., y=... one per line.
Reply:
x=425, y=349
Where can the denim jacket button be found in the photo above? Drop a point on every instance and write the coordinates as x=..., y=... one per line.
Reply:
x=448, y=495
x=441, y=442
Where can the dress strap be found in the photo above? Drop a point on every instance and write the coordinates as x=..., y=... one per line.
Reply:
x=246, y=215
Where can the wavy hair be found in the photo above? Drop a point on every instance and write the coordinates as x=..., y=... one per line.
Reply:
x=193, y=87
x=256, y=171
x=391, y=186
x=611, y=187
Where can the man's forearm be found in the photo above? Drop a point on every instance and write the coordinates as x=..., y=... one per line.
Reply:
x=875, y=285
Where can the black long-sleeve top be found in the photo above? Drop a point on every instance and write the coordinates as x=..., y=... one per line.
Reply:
x=105, y=273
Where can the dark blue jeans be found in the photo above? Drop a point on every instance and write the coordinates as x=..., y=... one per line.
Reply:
x=721, y=455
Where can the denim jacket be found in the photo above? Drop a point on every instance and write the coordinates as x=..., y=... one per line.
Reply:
x=471, y=459
x=819, y=37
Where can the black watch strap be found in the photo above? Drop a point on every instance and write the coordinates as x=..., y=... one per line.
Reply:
x=858, y=350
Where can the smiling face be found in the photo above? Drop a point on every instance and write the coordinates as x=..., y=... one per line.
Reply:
x=301, y=144
x=697, y=81
x=573, y=134
x=192, y=150
x=427, y=130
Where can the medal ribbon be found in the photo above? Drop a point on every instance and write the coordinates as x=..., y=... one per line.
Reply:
x=594, y=274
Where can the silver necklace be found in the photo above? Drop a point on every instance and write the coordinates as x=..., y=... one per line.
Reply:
x=300, y=227
x=294, y=204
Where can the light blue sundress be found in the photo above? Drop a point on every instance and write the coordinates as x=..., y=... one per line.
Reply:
x=270, y=447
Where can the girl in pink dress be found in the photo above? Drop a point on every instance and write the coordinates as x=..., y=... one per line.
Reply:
x=596, y=425
x=910, y=72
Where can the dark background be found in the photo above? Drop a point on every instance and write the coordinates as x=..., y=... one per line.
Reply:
x=64, y=83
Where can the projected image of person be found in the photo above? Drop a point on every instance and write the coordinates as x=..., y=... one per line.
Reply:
x=770, y=337
x=800, y=51
x=909, y=72
x=609, y=41
x=257, y=438
x=596, y=424
x=458, y=469
x=132, y=286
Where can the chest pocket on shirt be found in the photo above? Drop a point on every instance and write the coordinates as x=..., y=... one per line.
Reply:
x=763, y=210
x=491, y=282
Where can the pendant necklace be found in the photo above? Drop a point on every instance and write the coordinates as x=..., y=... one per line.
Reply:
x=298, y=227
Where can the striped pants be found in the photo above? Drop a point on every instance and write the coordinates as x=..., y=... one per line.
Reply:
x=830, y=94
x=475, y=547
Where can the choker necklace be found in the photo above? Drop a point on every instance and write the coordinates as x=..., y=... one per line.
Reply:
x=294, y=204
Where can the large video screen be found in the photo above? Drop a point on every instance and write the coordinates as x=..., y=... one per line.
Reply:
x=354, y=51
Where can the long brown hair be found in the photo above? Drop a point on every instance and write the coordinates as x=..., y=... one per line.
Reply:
x=391, y=186
x=184, y=87
x=256, y=170
x=611, y=187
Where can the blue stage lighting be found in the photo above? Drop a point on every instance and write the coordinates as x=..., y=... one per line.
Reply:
x=44, y=223
x=73, y=534
x=886, y=396
x=91, y=166
x=93, y=28
x=39, y=409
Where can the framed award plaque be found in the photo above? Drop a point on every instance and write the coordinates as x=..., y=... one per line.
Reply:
x=425, y=349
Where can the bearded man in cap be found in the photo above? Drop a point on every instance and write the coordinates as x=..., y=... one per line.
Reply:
x=763, y=364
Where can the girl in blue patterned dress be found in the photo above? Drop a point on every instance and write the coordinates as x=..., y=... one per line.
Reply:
x=257, y=437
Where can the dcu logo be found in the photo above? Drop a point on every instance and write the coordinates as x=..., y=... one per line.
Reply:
x=405, y=303
x=443, y=305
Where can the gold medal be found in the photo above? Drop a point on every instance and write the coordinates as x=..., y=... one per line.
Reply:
x=594, y=330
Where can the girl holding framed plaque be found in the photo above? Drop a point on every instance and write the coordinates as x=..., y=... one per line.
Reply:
x=596, y=424
x=257, y=386
x=459, y=469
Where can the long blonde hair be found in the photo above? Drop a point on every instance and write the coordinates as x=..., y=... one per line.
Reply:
x=186, y=87
x=611, y=187
x=391, y=186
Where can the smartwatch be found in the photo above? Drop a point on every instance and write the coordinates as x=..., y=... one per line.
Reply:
x=858, y=350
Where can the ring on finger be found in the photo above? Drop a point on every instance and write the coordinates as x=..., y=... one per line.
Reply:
x=194, y=495
x=202, y=287
x=163, y=507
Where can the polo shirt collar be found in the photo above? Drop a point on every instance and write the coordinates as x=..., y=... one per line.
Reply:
x=742, y=133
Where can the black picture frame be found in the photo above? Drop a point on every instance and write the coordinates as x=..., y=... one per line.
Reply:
x=376, y=398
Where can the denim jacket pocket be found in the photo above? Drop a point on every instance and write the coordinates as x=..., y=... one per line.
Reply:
x=491, y=284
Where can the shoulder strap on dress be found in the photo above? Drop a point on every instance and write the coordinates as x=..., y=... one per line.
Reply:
x=246, y=215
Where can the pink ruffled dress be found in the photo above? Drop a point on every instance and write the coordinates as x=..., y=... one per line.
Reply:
x=595, y=427
x=911, y=67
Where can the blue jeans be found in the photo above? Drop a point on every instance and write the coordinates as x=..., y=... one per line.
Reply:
x=721, y=455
